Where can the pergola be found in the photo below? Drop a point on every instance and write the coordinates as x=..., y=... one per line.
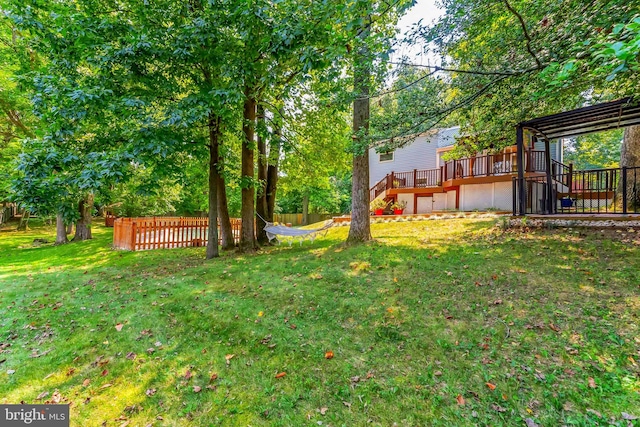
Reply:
x=601, y=117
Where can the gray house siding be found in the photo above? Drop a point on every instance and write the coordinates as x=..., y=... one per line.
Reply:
x=555, y=147
x=419, y=154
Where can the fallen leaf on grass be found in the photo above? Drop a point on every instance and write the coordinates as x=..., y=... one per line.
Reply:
x=328, y=355
x=347, y=404
x=592, y=382
x=42, y=395
x=213, y=377
x=107, y=385
x=228, y=358
x=530, y=423
x=491, y=386
x=281, y=374
x=460, y=400
x=187, y=375
x=266, y=339
x=438, y=373
x=104, y=373
x=86, y=382
x=554, y=327
x=131, y=355
x=323, y=410
x=594, y=412
x=119, y=327
x=498, y=408
x=197, y=389
x=150, y=392
x=628, y=417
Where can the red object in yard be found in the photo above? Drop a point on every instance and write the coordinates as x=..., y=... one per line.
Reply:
x=109, y=220
x=378, y=211
x=398, y=211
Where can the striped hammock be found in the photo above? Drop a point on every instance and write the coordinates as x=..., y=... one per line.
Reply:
x=292, y=234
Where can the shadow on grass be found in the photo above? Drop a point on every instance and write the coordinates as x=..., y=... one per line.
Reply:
x=427, y=312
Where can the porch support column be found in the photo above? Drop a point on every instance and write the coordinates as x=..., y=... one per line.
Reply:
x=551, y=202
x=522, y=194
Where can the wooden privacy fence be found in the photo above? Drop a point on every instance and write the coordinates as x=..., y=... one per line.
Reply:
x=296, y=218
x=7, y=211
x=164, y=232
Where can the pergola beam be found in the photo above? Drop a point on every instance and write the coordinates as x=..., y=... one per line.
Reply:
x=582, y=121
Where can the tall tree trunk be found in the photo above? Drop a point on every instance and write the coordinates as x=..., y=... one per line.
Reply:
x=247, y=233
x=226, y=232
x=214, y=178
x=61, y=231
x=275, y=146
x=261, y=198
x=305, y=208
x=24, y=220
x=83, y=225
x=630, y=157
x=360, y=230
x=69, y=228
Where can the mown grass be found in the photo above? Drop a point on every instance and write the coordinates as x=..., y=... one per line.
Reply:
x=418, y=321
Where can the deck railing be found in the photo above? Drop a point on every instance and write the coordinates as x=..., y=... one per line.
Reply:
x=164, y=232
x=608, y=191
x=378, y=188
x=492, y=165
x=470, y=167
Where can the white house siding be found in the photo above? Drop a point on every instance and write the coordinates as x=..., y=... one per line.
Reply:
x=425, y=205
x=440, y=201
x=451, y=199
x=420, y=154
x=408, y=198
x=483, y=196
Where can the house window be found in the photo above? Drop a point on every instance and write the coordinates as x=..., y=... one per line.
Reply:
x=386, y=157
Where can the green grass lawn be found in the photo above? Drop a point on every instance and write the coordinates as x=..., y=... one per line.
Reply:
x=439, y=323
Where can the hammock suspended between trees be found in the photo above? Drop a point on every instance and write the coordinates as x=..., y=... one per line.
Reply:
x=291, y=234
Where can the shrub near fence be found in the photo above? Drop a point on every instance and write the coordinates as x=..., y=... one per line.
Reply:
x=164, y=232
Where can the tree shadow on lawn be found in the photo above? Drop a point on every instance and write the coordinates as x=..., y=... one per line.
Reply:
x=428, y=312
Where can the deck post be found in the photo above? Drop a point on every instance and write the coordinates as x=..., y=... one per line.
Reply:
x=393, y=178
x=514, y=192
x=551, y=203
x=570, y=178
x=522, y=201
x=415, y=175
